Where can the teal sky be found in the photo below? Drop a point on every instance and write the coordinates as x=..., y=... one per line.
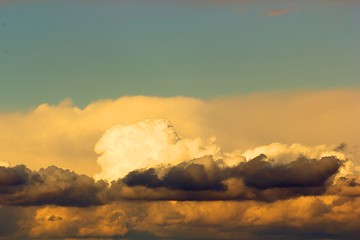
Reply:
x=88, y=50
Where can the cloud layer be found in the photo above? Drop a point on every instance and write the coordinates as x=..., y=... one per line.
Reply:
x=204, y=178
x=152, y=181
x=65, y=136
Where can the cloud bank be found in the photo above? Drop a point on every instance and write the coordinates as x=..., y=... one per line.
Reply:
x=65, y=136
x=277, y=168
x=149, y=161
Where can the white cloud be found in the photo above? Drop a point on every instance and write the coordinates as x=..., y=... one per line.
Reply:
x=150, y=142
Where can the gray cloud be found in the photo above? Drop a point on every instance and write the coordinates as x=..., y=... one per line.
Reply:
x=300, y=173
x=188, y=176
x=257, y=179
x=301, y=177
x=52, y=185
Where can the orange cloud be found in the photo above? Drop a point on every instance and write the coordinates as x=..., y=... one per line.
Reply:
x=65, y=136
x=277, y=12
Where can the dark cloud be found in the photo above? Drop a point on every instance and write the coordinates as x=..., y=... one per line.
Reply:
x=341, y=147
x=186, y=177
x=10, y=177
x=52, y=185
x=258, y=173
x=199, y=179
x=300, y=173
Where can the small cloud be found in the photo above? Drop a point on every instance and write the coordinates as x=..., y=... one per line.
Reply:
x=277, y=12
x=54, y=218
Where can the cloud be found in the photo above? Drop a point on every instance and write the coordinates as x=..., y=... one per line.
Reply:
x=187, y=176
x=182, y=185
x=94, y=222
x=20, y=186
x=277, y=12
x=148, y=160
x=4, y=164
x=278, y=199
x=124, y=148
x=151, y=142
x=296, y=218
x=198, y=179
x=256, y=179
x=302, y=172
x=65, y=136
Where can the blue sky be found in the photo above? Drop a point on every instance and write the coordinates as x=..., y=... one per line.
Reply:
x=89, y=50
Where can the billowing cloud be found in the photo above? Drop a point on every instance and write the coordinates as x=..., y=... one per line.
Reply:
x=65, y=136
x=124, y=148
x=154, y=142
x=302, y=172
x=277, y=12
x=148, y=160
x=196, y=175
x=257, y=173
x=21, y=186
x=276, y=167
x=198, y=179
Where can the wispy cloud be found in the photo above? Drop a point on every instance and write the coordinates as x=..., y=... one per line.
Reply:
x=277, y=12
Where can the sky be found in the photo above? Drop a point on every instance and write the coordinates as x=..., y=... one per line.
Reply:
x=179, y=119
x=89, y=50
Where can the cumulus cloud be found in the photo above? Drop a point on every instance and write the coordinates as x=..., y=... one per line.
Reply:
x=198, y=179
x=256, y=179
x=21, y=186
x=148, y=160
x=279, y=198
x=152, y=142
x=65, y=136
x=302, y=172
x=196, y=175
x=124, y=148
x=155, y=176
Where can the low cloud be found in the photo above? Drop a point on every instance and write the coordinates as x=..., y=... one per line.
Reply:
x=246, y=198
x=256, y=179
x=296, y=218
x=20, y=186
x=149, y=160
x=188, y=176
x=199, y=179
x=165, y=183
x=302, y=172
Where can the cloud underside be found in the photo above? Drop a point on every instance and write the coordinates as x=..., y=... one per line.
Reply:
x=198, y=179
x=305, y=217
